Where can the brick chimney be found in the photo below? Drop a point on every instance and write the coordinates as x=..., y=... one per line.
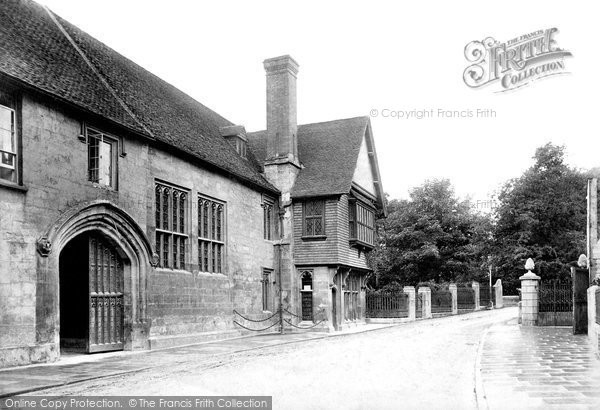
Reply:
x=282, y=127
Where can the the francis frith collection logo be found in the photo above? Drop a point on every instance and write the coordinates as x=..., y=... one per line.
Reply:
x=514, y=63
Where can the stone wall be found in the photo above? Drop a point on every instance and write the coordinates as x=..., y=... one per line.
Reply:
x=179, y=302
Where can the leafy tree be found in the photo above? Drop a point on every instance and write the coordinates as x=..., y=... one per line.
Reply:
x=429, y=237
x=541, y=215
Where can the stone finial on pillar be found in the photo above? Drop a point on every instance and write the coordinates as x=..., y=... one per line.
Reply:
x=498, y=294
x=454, y=291
x=529, y=295
x=412, y=302
x=425, y=294
x=475, y=286
x=582, y=262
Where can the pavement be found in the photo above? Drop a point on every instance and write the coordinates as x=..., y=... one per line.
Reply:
x=438, y=363
x=75, y=368
x=537, y=367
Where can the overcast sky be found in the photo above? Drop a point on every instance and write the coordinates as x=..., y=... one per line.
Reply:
x=356, y=57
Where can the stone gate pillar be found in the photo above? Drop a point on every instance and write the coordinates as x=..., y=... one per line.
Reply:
x=475, y=286
x=425, y=294
x=529, y=295
x=454, y=291
x=593, y=327
x=412, y=302
x=498, y=294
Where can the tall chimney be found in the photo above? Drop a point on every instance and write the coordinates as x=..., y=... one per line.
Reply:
x=282, y=126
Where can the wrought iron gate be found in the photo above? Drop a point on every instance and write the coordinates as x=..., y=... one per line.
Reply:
x=580, y=308
x=485, y=295
x=441, y=301
x=419, y=305
x=465, y=296
x=106, y=297
x=555, y=306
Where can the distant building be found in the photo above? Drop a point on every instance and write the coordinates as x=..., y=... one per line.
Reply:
x=134, y=217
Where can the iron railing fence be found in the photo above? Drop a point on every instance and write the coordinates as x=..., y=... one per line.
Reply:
x=465, y=297
x=419, y=305
x=441, y=301
x=387, y=305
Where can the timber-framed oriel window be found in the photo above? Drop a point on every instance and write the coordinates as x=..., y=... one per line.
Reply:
x=102, y=157
x=211, y=235
x=171, y=225
x=9, y=138
x=313, y=218
x=361, y=221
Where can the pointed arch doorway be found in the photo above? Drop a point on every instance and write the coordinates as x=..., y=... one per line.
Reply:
x=91, y=294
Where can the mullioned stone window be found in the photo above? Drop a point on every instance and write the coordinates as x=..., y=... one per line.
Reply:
x=211, y=235
x=171, y=226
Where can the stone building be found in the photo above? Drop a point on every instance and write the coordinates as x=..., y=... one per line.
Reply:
x=134, y=217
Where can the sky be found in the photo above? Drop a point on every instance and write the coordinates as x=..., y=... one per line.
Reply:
x=360, y=58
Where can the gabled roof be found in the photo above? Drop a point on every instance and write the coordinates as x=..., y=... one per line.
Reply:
x=47, y=53
x=328, y=152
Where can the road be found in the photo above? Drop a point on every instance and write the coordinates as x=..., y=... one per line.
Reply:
x=425, y=364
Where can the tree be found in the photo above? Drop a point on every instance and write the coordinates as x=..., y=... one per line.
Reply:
x=429, y=237
x=541, y=215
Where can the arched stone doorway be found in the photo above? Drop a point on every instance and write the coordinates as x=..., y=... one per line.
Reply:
x=123, y=234
x=91, y=294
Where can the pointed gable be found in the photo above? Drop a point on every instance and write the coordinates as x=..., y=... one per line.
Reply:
x=366, y=173
x=363, y=172
x=333, y=158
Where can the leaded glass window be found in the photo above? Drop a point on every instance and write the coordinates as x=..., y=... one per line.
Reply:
x=102, y=158
x=361, y=222
x=314, y=218
x=170, y=221
x=268, y=219
x=211, y=235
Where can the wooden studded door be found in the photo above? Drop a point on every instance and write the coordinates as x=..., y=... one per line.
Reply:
x=105, y=297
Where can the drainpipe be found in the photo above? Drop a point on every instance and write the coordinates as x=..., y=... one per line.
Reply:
x=279, y=253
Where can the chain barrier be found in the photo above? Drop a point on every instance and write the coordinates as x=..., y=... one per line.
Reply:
x=256, y=330
x=289, y=322
x=255, y=320
x=277, y=322
x=293, y=314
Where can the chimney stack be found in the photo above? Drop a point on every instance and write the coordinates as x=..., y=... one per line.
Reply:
x=282, y=126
